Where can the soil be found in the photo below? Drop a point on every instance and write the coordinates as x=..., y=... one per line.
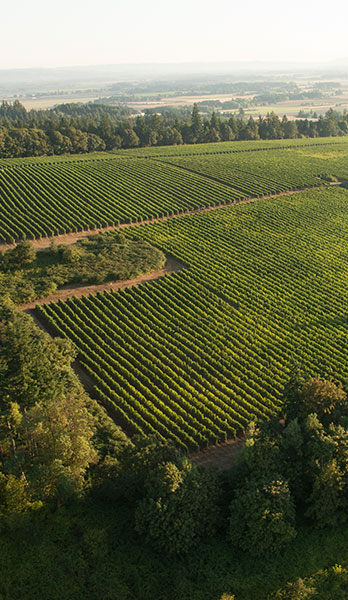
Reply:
x=220, y=456
x=71, y=238
x=172, y=266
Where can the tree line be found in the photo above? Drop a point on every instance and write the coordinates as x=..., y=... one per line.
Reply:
x=76, y=128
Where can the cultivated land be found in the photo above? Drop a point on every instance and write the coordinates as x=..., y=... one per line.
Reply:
x=251, y=288
x=200, y=353
x=51, y=196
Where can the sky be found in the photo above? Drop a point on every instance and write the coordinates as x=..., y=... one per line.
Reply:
x=42, y=33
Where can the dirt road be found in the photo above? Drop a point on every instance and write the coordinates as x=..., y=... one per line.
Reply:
x=70, y=238
x=172, y=266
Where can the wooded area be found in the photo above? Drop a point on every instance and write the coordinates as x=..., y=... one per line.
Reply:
x=81, y=128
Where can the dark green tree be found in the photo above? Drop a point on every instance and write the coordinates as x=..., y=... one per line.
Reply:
x=23, y=254
x=262, y=517
x=196, y=124
x=180, y=508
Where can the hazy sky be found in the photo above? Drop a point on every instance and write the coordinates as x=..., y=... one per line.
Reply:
x=43, y=33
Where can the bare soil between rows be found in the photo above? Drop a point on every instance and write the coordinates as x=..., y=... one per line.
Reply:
x=220, y=456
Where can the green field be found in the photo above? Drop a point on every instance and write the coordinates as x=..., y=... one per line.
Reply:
x=198, y=354
x=186, y=149
x=54, y=195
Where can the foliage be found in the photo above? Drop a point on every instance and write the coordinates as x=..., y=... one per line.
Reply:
x=26, y=358
x=15, y=497
x=295, y=591
x=327, y=455
x=23, y=254
x=180, y=508
x=324, y=585
x=97, y=127
x=95, y=260
x=139, y=460
x=262, y=517
x=322, y=397
x=48, y=431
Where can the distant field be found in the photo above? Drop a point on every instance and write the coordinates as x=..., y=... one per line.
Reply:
x=49, y=102
x=52, y=195
x=290, y=108
x=198, y=354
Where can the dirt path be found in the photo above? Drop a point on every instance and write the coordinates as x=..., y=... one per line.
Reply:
x=172, y=266
x=220, y=456
x=70, y=238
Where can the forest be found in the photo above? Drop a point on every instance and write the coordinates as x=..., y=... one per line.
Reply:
x=80, y=128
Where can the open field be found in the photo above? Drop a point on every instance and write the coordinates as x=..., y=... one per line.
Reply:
x=51, y=196
x=50, y=101
x=199, y=353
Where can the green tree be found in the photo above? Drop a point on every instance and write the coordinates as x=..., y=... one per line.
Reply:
x=289, y=128
x=262, y=517
x=294, y=460
x=33, y=366
x=139, y=460
x=327, y=465
x=51, y=433
x=23, y=254
x=15, y=496
x=49, y=445
x=326, y=398
x=298, y=590
x=179, y=509
x=130, y=138
x=196, y=124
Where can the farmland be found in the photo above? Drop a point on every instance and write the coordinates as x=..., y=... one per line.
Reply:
x=198, y=354
x=57, y=195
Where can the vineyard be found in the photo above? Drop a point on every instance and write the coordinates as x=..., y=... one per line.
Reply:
x=48, y=196
x=258, y=171
x=198, y=354
x=184, y=150
x=47, y=200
